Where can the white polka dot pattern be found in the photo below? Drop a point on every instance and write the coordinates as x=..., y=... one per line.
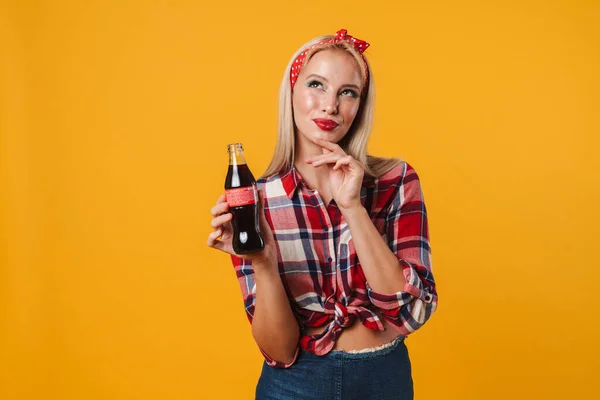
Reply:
x=340, y=36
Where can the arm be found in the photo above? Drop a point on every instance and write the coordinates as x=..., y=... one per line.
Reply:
x=274, y=326
x=380, y=265
x=398, y=269
x=401, y=286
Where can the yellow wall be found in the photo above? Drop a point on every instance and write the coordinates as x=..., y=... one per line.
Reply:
x=114, y=120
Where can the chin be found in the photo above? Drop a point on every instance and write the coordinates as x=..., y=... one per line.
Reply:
x=329, y=134
x=334, y=136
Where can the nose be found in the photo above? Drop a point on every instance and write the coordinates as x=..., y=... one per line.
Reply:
x=330, y=104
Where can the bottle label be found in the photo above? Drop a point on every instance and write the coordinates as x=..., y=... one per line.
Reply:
x=241, y=196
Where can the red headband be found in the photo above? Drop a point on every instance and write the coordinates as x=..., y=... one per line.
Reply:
x=340, y=36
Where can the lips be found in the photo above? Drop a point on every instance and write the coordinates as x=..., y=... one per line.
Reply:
x=325, y=124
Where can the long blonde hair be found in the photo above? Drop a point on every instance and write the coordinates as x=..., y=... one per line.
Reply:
x=354, y=142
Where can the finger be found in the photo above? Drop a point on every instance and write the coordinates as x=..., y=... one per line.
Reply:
x=333, y=147
x=217, y=222
x=264, y=224
x=219, y=209
x=261, y=198
x=261, y=209
x=219, y=245
x=343, y=161
x=222, y=198
x=326, y=159
x=213, y=237
x=314, y=158
x=261, y=205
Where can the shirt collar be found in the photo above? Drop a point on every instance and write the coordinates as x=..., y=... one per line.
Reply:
x=290, y=181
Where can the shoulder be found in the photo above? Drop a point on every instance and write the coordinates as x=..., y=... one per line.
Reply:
x=271, y=185
x=401, y=174
x=263, y=180
x=399, y=185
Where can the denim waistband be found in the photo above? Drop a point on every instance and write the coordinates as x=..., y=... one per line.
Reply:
x=375, y=352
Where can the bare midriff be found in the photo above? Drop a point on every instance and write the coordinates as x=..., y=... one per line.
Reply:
x=359, y=337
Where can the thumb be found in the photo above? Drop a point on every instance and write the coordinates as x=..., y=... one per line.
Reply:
x=264, y=225
x=261, y=203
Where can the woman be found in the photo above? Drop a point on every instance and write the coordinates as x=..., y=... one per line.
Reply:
x=345, y=274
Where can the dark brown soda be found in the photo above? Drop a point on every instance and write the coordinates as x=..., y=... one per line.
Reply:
x=246, y=224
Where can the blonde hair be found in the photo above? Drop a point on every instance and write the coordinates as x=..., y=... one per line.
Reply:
x=354, y=142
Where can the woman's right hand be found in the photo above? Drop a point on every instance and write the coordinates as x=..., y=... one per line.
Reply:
x=222, y=235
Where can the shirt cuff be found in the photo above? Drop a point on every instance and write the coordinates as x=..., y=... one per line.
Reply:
x=413, y=289
x=277, y=364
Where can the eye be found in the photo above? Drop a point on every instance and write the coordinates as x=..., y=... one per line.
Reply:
x=349, y=92
x=314, y=84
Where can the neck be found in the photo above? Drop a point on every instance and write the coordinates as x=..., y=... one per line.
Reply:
x=315, y=177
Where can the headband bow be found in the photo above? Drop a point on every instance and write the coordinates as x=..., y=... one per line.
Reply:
x=340, y=36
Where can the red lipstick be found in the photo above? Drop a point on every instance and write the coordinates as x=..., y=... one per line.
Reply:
x=325, y=124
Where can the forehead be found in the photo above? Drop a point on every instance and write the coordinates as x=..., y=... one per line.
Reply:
x=334, y=65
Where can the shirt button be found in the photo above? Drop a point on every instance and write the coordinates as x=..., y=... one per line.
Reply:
x=330, y=259
x=325, y=229
x=427, y=298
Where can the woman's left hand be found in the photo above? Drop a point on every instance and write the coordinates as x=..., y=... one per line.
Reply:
x=345, y=173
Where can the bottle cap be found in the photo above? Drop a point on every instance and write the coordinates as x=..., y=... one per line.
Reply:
x=233, y=146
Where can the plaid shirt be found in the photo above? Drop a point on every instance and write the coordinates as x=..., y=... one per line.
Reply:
x=319, y=267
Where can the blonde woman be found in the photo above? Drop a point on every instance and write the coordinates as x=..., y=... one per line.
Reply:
x=345, y=274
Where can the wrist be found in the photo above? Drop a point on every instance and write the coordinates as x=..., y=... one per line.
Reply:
x=267, y=276
x=265, y=269
x=353, y=211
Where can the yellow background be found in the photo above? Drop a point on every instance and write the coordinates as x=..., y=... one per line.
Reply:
x=114, y=121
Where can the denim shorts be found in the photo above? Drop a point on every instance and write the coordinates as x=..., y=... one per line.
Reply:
x=378, y=375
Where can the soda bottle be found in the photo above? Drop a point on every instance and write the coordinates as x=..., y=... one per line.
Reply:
x=242, y=196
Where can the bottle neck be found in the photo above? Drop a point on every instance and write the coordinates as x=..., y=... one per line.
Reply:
x=236, y=156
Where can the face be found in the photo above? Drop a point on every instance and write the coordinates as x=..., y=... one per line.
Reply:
x=326, y=96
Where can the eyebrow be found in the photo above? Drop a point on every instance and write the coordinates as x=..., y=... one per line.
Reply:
x=325, y=79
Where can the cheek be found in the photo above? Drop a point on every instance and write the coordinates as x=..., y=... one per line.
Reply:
x=351, y=110
x=309, y=102
x=305, y=101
